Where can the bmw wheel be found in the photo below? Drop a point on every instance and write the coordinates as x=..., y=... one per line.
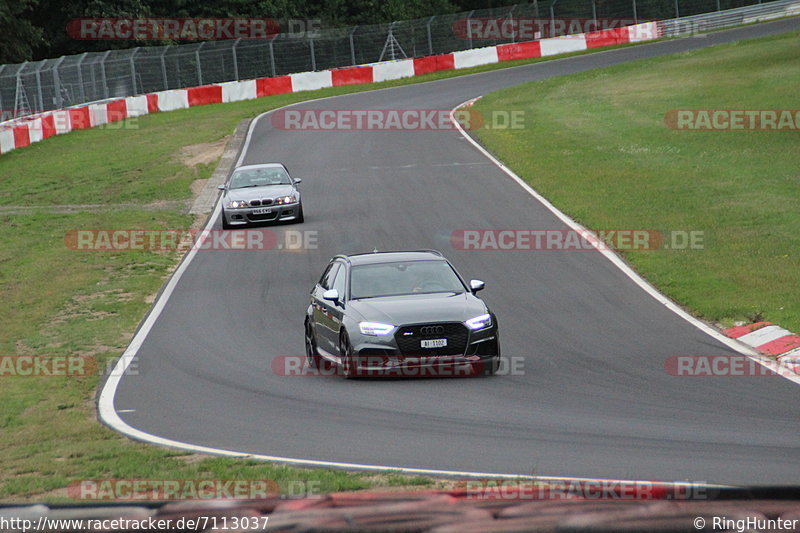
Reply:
x=225, y=224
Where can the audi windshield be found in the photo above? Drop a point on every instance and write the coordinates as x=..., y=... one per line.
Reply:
x=411, y=277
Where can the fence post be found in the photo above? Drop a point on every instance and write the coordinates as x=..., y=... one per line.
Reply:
x=40, y=107
x=430, y=41
x=469, y=28
x=511, y=14
x=103, y=72
x=272, y=57
x=133, y=69
x=235, y=60
x=56, y=83
x=352, y=46
x=594, y=13
x=313, y=57
x=635, y=17
x=3, y=114
x=79, y=66
x=18, y=98
x=677, y=11
x=164, y=68
x=199, y=67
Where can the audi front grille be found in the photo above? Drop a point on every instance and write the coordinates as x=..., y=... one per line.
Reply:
x=408, y=339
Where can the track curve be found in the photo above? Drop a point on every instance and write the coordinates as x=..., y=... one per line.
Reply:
x=594, y=400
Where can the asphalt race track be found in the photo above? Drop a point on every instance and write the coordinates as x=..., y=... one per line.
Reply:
x=594, y=399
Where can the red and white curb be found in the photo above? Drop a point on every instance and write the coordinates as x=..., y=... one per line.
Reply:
x=771, y=340
x=25, y=131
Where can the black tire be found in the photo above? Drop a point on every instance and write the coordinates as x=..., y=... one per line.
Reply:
x=313, y=356
x=491, y=366
x=300, y=217
x=225, y=224
x=346, y=354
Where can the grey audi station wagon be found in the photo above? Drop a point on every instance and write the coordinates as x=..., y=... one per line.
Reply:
x=399, y=314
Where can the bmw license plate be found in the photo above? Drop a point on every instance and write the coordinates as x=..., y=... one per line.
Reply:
x=434, y=343
x=262, y=211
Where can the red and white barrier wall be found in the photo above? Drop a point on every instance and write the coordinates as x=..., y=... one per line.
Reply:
x=22, y=132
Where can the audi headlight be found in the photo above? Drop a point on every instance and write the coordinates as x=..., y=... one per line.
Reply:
x=375, y=328
x=236, y=204
x=479, y=322
x=286, y=199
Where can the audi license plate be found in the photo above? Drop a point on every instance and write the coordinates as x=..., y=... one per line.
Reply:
x=434, y=343
x=262, y=211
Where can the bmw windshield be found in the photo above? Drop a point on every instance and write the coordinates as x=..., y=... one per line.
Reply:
x=411, y=277
x=259, y=177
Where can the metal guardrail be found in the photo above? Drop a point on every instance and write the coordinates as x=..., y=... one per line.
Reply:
x=33, y=87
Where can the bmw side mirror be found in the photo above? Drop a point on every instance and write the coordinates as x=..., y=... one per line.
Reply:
x=332, y=295
x=476, y=285
x=222, y=187
x=298, y=180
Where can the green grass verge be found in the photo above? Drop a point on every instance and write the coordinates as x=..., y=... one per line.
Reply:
x=58, y=301
x=596, y=145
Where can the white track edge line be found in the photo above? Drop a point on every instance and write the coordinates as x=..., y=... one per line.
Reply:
x=621, y=264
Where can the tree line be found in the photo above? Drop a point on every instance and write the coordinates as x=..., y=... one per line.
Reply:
x=37, y=29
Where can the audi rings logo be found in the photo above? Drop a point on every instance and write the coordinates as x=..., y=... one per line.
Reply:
x=431, y=330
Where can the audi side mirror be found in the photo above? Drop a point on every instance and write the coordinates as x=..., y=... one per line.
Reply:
x=298, y=180
x=476, y=285
x=222, y=187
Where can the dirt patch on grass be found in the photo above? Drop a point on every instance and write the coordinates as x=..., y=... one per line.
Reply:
x=203, y=153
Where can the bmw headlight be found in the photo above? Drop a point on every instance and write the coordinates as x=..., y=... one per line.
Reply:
x=479, y=322
x=375, y=328
x=286, y=199
x=236, y=204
